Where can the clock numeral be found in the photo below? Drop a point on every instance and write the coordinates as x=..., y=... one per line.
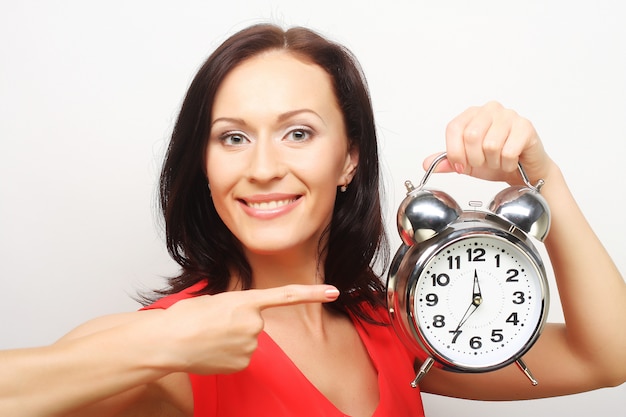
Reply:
x=476, y=342
x=431, y=300
x=512, y=275
x=520, y=297
x=441, y=279
x=476, y=255
x=454, y=262
x=456, y=334
x=439, y=321
x=497, y=336
x=513, y=319
x=497, y=258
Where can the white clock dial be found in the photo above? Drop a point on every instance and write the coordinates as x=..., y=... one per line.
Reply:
x=478, y=302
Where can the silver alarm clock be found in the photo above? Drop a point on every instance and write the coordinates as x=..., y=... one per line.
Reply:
x=468, y=288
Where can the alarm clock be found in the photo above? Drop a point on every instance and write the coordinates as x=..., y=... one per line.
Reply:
x=467, y=290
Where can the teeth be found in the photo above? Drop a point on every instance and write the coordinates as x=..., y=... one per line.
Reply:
x=269, y=205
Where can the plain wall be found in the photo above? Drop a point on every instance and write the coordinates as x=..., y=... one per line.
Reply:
x=89, y=92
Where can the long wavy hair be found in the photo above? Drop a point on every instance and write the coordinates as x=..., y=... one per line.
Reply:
x=196, y=237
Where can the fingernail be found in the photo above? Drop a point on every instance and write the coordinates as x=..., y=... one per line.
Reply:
x=331, y=293
x=459, y=168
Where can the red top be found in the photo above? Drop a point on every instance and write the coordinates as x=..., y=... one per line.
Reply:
x=273, y=386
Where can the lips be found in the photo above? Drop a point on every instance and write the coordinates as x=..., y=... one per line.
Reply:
x=269, y=206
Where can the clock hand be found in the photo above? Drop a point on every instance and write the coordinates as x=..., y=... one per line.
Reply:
x=477, y=299
x=470, y=310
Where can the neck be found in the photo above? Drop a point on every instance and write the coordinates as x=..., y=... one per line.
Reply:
x=275, y=270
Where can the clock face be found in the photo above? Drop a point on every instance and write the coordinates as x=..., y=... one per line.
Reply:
x=478, y=303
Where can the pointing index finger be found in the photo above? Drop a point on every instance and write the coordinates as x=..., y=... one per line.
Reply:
x=293, y=294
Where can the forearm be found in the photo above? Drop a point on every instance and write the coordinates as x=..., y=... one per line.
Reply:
x=592, y=290
x=75, y=372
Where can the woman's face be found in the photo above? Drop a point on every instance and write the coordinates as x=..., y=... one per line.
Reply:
x=277, y=153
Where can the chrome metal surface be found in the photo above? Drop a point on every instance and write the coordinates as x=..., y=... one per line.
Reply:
x=424, y=213
x=525, y=208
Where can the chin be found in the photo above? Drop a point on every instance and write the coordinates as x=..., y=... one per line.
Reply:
x=275, y=248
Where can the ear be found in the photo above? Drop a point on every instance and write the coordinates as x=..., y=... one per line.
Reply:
x=349, y=169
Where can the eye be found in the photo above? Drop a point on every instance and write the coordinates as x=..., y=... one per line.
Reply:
x=299, y=135
x=234, y=138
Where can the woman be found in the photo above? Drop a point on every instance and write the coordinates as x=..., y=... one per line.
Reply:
x=270, y=195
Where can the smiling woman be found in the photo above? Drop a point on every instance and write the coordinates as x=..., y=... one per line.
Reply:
x=270, y=194
x=255, y=95
x=275, y=186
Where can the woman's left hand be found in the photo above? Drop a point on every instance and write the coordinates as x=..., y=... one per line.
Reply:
x=487, y=142
x=587, y=351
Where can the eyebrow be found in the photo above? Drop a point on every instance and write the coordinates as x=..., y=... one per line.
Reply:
x=297, y=112
x=281, y=117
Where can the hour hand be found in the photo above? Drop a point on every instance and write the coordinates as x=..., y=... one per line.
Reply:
x=477, y=297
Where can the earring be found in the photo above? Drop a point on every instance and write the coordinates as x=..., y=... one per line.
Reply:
x=344, y=188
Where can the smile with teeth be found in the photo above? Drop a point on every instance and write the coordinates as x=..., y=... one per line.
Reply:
x=270, y=205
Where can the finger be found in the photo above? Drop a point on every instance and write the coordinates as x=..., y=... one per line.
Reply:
x=292, y=294
x=442, y=166
x=521, y=136
x=455, y=143
x=476, y=131
x=496, y=138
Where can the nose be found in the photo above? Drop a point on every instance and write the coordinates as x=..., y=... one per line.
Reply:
x=265, y=162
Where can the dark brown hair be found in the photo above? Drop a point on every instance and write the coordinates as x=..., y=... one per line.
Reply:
x=197, y=238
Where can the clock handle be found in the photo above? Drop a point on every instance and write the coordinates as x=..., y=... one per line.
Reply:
x=444, y=155
x=522, y=366
x=428, y=363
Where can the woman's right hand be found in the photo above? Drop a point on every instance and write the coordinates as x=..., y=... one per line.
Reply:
x=217, y=334
x=134, y=363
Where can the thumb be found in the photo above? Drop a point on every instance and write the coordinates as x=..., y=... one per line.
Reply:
x=443, y=166
x=292, y=294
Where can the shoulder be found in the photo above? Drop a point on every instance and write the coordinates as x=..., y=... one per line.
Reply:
x=171, y=299
x=113, y=320
x=99, y=324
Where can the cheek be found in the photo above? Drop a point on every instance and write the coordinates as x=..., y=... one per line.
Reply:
x=219, y=180
x=325, y=164
x=218, y=168
x=322, y=176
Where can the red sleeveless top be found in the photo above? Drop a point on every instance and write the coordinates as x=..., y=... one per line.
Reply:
x=273, y=386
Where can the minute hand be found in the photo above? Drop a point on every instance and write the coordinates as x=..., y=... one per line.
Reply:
x=476, y=301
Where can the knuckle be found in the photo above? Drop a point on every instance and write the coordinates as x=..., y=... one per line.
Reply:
x=491, y=146
x=238, y=364
x=472, y=134
x=290, y=294
x=509, y=162
x=525, y=124
x=494, y=105
x=250, y=347
x=244, y=362
x=454, y=128
x=256, y=325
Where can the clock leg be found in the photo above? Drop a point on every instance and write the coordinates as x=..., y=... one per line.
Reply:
x=428, y=363
x=522, y=366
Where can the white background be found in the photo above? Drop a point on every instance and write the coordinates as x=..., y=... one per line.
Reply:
x=89, y=92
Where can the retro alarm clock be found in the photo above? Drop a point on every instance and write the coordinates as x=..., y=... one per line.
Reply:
x=467, y=288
